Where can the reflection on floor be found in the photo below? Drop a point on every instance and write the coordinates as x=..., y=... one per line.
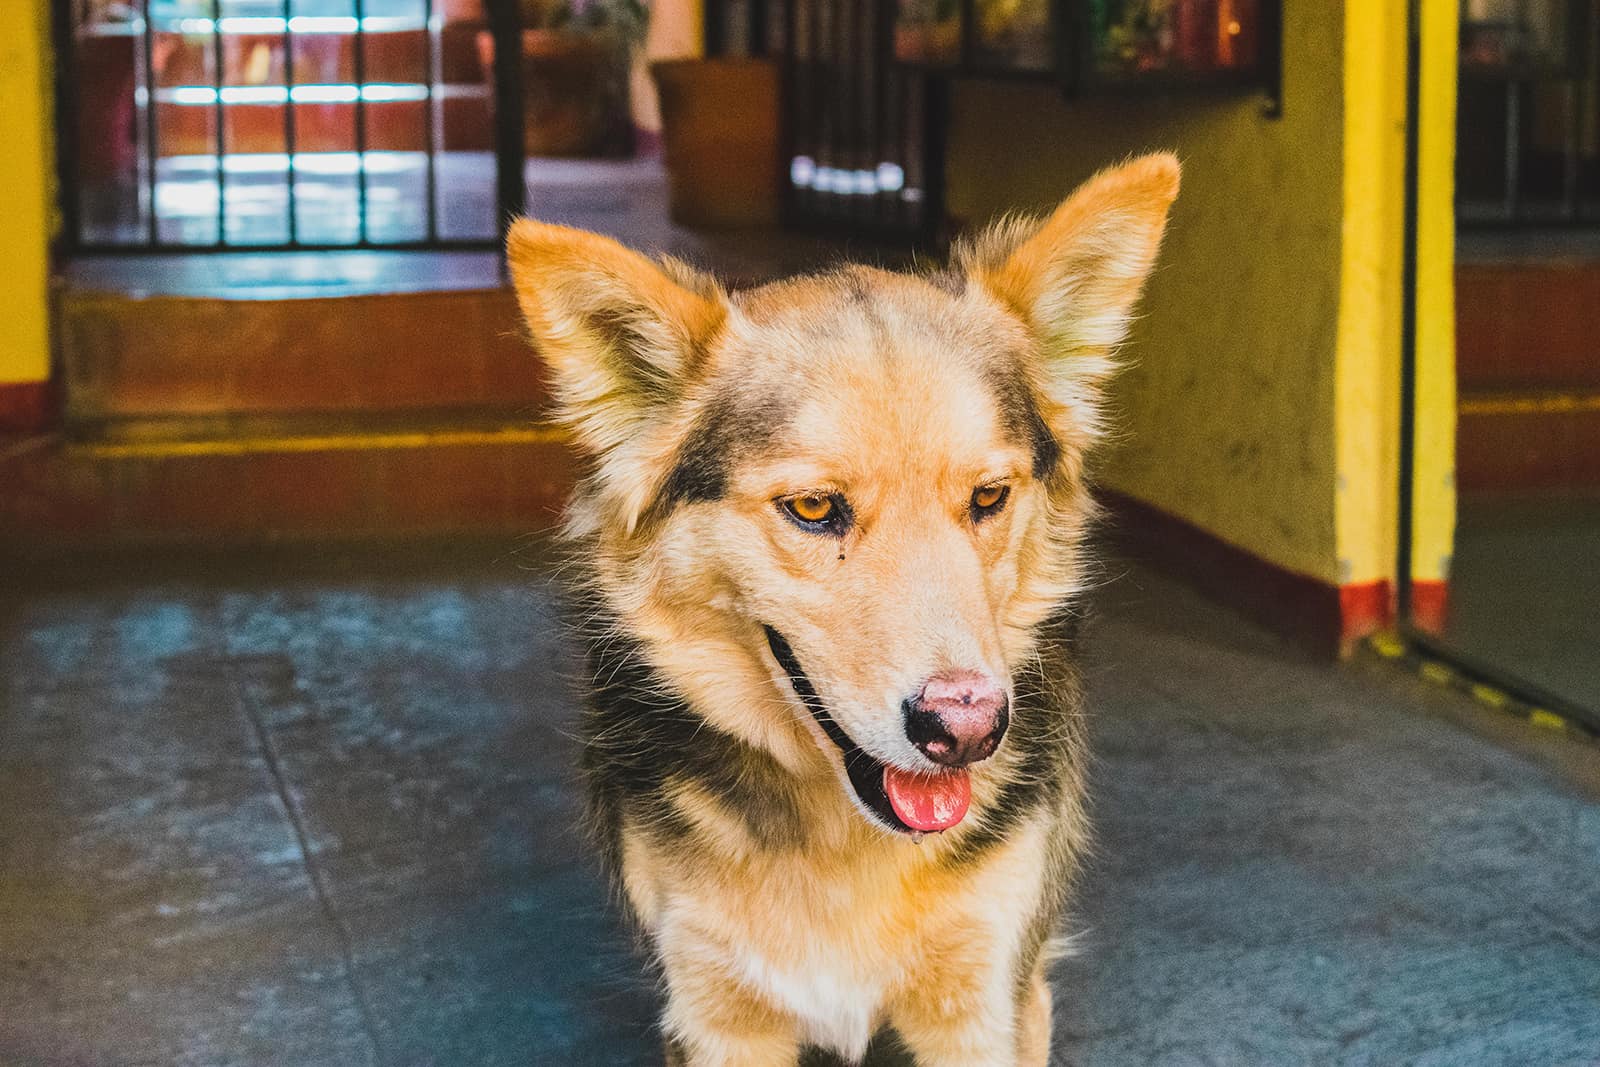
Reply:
x=294, y=811
x=1525, y=588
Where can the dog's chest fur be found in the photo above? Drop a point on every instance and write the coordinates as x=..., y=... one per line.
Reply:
x=730, y=863
x=833, y=936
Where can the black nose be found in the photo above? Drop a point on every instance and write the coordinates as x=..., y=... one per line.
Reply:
x=955, y=737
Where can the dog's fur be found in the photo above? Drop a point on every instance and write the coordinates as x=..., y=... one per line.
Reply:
x=740, y=661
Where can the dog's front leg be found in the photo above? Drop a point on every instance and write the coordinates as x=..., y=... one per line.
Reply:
x=712, y=1021
x=980, y=1019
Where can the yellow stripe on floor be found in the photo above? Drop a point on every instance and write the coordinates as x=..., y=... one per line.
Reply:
x=1530, y=404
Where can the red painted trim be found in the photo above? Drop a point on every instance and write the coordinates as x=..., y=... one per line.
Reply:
x=1430, y=605
x=26, y=406
x=1307, y=610
x=1364, y=609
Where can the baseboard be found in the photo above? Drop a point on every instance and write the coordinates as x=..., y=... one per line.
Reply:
x=26, y=407
x=1430, y=605
x=1324, y=618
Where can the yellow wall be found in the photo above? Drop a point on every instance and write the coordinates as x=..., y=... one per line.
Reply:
x=1367, y=396
x=25, y=169
x=1434, y=493
x=1262, y=399
x=1227, y=406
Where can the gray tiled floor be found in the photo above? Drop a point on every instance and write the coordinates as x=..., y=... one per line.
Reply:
x=295, y=811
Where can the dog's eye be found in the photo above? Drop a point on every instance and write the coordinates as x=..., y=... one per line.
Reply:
x=817, y=512
x=811, y=508
x=987, y=500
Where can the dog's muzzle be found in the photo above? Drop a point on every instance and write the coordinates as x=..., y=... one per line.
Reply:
x=902, y=800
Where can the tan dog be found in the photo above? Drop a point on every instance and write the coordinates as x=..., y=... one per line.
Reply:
x=832, y=535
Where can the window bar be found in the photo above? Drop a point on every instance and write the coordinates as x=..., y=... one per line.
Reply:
x=150, y=126
x=815, y=126
x=881, y=25
x=756, y=34
x=910, y=118
x=288, y=120
x=1569, y=152
x=218, y=76
x=715, y=28
x=853, y=58
x=935, y=124
x=432, y=120
x=788, y=91
x=359, y=60
x=890, y=139
x=844, y=93
x=505, y=23
x=65, y=20
x=1513, y=149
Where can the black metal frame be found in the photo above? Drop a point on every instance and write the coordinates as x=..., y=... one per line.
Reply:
x=866, y=99
x=1573, y=73
x=504, y=20
x=846, y=105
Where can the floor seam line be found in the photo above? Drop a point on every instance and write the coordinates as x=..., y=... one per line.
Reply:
x=269, y=755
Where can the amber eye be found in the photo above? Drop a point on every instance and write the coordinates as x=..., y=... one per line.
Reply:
x=987, y=500
x=811, y=508
x=817, y=512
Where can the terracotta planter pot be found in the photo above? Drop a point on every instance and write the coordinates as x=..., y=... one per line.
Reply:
x=719, y=133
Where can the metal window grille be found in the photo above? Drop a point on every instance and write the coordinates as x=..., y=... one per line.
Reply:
x=861, y=136
x=274, y=124
x=1528, y=126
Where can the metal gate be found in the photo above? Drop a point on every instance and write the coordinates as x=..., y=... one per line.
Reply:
x=271, y=124
x=862, y=136
x=1528, y=139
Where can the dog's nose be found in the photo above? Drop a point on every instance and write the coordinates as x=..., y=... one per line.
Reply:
x=958, y=718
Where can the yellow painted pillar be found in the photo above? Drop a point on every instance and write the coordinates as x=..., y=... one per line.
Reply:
x=1367, y=376
x=25, y=225
x=1367, y=346
x=1433, y=487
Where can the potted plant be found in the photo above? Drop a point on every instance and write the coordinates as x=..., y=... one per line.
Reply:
x=577, y=56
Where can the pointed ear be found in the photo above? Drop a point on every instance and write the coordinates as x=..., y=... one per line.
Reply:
x=621, y=335
x=1074, y=277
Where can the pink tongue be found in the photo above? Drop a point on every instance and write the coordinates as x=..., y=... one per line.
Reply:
x=928, y=802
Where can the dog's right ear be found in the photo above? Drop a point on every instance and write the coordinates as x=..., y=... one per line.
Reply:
x=622, y=337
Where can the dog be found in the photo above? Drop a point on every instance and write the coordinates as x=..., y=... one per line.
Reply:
x=831, y=540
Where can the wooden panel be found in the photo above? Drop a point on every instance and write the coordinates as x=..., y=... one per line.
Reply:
x=127, y=357
x=1528, y=326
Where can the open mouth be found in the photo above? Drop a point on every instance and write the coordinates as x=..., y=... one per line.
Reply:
x=908, y=801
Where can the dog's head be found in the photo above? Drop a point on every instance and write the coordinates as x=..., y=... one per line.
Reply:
x=836, y=508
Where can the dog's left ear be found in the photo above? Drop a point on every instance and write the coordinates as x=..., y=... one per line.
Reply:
x=624, y=338
x=620, y=334
x=1074, y=279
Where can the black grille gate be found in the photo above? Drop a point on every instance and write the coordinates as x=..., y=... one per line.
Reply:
x=202, y=125
x=861, y=135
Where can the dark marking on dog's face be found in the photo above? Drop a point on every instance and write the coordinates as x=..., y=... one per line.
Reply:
x=1020, y=405
x=727, y=428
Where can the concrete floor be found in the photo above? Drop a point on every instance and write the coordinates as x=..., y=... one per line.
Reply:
x=314, y=810
x=1525, y=588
